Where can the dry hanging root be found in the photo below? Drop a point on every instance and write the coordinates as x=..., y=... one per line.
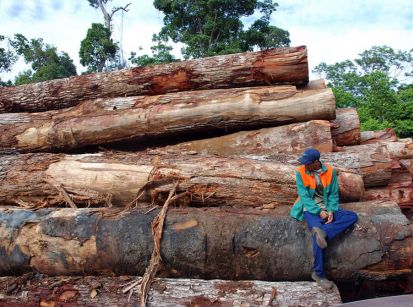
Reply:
x=157, y=229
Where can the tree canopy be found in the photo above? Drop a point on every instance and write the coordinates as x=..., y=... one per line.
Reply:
x=97, y=48
x=46, y=62
x=213, y=27
x=379, y=84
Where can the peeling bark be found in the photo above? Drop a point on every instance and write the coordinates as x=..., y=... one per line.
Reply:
x=274, y=66
x=347, y=127
x=54, y=291
x=288, y=139
x=94, y=179
x=196, y=243
x=149, y=117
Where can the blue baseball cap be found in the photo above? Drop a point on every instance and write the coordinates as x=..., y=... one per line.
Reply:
x=309, y=156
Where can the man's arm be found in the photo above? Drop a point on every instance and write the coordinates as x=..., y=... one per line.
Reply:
x=302, y=191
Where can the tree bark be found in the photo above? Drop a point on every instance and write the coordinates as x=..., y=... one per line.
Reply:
x=288, y=139
x=274, y=66
x=145, y=118
x=374, y=162
x=117, y=178
x=235, y=244
x=369, y=137
x=400, y=187
x=53, y=291
x=347, y=131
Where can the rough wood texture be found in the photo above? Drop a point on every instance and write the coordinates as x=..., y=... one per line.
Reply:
x=400, y=150
x=347, y=131
x=288, y=139
x=144, y=118
x=274, y=66
x=371, y=161
x=165, y=292
x=96, y=179
x=374, y=164
x=400, y=188
x=203, y=243
x=368, y=137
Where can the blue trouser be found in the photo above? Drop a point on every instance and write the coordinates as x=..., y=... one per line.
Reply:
x=343, y=219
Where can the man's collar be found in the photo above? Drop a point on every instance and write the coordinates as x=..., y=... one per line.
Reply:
x=323, y=169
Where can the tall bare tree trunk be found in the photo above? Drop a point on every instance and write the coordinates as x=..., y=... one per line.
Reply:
x=150, y=117
x=95, y=179
x=274, y=66
x=218, y=243
x=165, y=292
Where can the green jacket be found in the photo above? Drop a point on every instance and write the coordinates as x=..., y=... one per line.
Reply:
x=306, y=184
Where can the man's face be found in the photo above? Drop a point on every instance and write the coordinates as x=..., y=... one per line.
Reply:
x=315, y=166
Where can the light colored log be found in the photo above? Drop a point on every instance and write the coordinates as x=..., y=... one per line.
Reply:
x=274, y=66
x=165, y=292
x=94, y=179
x=368, y=137
x=146, y=118
x=288, y=139
x=233, y=244
x=346, y=127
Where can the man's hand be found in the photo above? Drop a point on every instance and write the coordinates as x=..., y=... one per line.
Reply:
x=323, y=214
x=330, y=218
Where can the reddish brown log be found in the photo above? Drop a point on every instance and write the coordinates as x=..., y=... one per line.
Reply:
x=369, y=137
x=117, y=178
x=210, y=243
x=400, y=150
x=274, y=66
x=288, y=139
x=374, y=164
x=346, y=127
x=148, y=117
x=400, y=187
x=96, y=291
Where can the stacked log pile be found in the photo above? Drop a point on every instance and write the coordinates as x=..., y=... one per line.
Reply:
x=223, y=135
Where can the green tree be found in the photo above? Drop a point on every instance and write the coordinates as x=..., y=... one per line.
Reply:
x=7, y=59
x=379, y=84
x=46, y=62
x=97, y=48
x=161, y=54
x=213, y=27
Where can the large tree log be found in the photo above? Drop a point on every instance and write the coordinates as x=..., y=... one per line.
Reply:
x=374, y=164
x=53, y=291
x=38, y=179
x=274, y=66
x=371, y=161
x=139, y=118
x=203, y=243
x=346, y=127
x=368, y=137
x=288, y=139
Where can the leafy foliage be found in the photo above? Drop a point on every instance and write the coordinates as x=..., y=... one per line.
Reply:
x=378, y=83
x=97, y=48
x=160, y=54
x=46, y=62
x=213, y=27
x=7, y=57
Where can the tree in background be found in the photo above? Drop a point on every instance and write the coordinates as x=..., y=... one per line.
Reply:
x=116, y=62
x=213, y=27
x=46, y=62
x=161, y=54
x=97, y=48
x=7, y=59
x=379, y=84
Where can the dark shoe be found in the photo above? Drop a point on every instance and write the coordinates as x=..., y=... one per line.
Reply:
x=320, y=237
x=322, y=281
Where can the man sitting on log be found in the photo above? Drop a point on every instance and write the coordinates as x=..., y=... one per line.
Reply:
x=317, y=203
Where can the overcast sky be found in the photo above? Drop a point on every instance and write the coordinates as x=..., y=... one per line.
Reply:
x=333, y=30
